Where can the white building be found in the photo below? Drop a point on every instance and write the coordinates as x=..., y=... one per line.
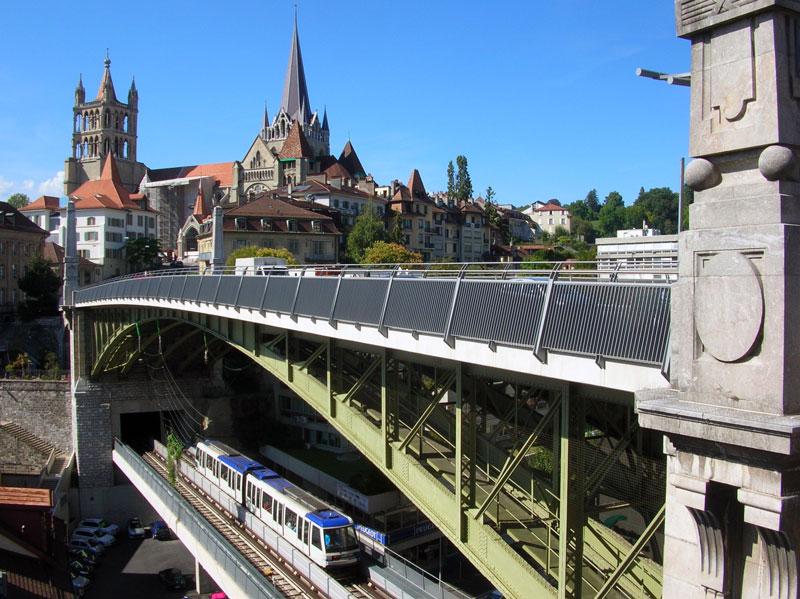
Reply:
x=550, y=216
x=106, y=216
x=644, y=250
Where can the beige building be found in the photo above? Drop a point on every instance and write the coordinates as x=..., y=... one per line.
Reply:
x=20, y=240
x=550, y=216
x=270, y=222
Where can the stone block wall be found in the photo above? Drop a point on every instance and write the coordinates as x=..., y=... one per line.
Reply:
x=42, y=407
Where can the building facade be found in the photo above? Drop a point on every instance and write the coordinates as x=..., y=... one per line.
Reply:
x=20, y=240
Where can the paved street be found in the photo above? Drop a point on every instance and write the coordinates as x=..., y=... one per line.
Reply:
x=129, y=569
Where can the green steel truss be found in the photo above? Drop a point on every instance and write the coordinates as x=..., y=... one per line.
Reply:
x=516, y=473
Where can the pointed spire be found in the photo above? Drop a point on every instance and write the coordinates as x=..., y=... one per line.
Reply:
x=296, y=144
x=416, y=187
x=349, y=160
x=110, y=172
x=295, y=92
x=80, y=92
x=200, y=204
x=133, y=94
x=264, y=122
x=325, y=119
x=106, y=91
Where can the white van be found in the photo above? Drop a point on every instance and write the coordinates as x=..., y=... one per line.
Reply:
x=261, y=266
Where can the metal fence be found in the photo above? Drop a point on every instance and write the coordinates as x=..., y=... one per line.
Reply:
x=569, y=310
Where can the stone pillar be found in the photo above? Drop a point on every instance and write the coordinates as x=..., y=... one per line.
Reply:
x=218, y=240
x=71, y=281
x=730, y=424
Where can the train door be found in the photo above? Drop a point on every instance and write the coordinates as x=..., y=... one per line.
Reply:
x=315, y=550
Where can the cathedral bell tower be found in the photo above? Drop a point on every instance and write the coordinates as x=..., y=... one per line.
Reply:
x=100, y=127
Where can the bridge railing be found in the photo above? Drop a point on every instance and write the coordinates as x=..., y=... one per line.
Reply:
x=568, y=310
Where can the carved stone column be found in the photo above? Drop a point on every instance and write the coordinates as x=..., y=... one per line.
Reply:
x=730, y=419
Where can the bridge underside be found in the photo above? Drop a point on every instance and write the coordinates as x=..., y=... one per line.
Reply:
x=547, y=487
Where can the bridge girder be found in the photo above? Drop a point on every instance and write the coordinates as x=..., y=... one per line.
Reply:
x=373, y=423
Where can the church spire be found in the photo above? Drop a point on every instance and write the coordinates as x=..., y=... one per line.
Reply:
x=265, y=122
x=80, y=93
x=106, y=91
x=295, y=92
x=325, y=119
x=133, y=94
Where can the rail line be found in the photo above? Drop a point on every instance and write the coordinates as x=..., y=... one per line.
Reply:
x=287, y=581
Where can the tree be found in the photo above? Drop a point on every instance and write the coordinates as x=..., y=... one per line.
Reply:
x=489, y=194
x=41, y=284
x=451, y=182
x=253, y=251
x=659, y=207
x=397, y=235
x=580, y=209
x=592, y=202
x=18, y=200
x=463, y=186
x=381, y=252
x=142, y=253
x=613, y=199
x=367, y=229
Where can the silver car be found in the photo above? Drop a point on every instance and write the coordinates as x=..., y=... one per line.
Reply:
x=88, y=533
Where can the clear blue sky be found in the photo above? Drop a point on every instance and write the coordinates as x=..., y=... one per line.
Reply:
x=540, y=96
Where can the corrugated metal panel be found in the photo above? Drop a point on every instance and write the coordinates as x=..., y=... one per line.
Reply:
x=226, y=296
x=361, y=300
x=208, y=288
x=629, y=322
x=316, y=296
x=502, y=311
x=280, y=293
x=252, y=292
x=419, y=304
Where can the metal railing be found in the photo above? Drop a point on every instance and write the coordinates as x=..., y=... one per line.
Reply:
x=566, y=309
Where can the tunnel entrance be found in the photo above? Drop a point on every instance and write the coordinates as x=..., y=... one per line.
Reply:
x=138, y=429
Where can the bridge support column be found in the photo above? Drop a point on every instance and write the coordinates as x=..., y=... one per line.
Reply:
x=203, y=583
x=732, y=437
x=571, y=495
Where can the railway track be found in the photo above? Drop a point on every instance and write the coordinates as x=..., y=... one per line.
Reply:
x=290, y=584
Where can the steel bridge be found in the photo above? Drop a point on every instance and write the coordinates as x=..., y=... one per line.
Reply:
x=499, y=402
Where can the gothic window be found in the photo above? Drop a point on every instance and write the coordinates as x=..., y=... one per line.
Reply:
x=77, y=124
x=85, y=121
x=85, y=149
x=106, y=146
x=107, y=122
x=125, y=124
x=116, y=121
x=125, y=149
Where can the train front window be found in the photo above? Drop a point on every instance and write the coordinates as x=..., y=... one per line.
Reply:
x=340, y=539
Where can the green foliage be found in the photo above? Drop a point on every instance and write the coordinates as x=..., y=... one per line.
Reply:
x=489, y=194
x=659, y=207
x=463, y=184
x=22, y=362
x=41, y=285
x=592, y=203
x=252, y=251
x=688, y=200
x=174, y=449
x=18, y=200
x=397, y=235
x=612, y=215
x=142, y=253
x=580, y=209
x=543, y=259
x=382, y=252
x=367, y=230
x=451, y=182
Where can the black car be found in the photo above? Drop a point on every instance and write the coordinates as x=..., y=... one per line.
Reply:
x=172, y=579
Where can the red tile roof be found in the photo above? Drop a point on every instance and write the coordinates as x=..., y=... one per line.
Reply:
x=52, y=252
x=349, y=160
x=200, y=204
x=296, y=144
x=550, y=206
x=221, y=171
x=416, y=187
x=25, y=496
x=337, y=170
x=43, y=203
x=13, y=219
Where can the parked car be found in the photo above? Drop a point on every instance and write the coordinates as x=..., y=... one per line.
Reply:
x=92, y=545
x=82, y=555
x=88, y=533
x=172, y=579
x=135, y=528
x=79, y=584
x=99, y=524
x=159, y=530
x=78, y=568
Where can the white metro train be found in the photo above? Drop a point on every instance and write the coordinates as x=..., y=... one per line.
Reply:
x=327, y=537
